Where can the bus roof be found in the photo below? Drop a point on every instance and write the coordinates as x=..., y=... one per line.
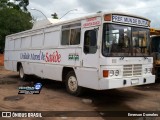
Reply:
x=49, y=23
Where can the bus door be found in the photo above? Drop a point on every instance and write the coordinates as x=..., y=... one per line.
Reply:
x=90, y=51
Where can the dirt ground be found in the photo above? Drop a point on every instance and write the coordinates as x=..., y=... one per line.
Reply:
x=1, y=59
x=53, y=97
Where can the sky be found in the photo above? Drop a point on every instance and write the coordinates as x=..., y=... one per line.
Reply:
x=147, y=8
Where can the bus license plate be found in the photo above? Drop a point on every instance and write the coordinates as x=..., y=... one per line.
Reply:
x=134, y=81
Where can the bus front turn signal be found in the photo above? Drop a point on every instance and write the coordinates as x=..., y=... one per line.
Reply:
x=105, y=73
x=107, y=17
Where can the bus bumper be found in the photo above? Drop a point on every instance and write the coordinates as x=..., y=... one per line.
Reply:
x=125, y=82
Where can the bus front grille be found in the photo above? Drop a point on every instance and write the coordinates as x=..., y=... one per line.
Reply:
x=132, y=70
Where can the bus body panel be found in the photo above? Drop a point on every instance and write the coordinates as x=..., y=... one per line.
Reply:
x=119, y=83
x=45, y=52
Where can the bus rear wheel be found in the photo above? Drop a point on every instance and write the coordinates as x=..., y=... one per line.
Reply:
x=22, y=75
x=72, y=84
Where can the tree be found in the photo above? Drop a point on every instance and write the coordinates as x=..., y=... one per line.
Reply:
x=23, y=4
x=54, y=16
x=13, y=18
x=3, y=3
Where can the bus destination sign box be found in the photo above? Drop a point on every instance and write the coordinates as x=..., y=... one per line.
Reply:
x=130, y=20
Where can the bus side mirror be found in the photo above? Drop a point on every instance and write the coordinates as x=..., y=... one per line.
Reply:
x=96, y=29
x=96, y=46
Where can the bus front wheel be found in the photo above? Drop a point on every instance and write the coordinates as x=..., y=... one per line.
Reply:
x=72, y=84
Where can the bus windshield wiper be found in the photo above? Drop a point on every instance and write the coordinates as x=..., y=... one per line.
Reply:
x=136, y=49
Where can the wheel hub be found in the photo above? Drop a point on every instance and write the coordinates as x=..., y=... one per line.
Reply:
x=21, y=73
x=72, y=83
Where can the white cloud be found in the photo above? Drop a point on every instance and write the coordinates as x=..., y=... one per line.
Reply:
x=145, y=8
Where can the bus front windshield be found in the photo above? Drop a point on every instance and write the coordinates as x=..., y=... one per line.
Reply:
x=120, y=40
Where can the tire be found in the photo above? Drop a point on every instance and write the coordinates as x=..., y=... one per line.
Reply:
x=22, y=75
x=72, y=84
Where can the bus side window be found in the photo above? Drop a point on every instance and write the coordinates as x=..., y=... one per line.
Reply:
x=75, y=36
x=71, y=34
x=65, y=37
x=90, y=42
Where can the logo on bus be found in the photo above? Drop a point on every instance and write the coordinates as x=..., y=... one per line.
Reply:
x=54, y=57
x=73, y=56
x=91, y=22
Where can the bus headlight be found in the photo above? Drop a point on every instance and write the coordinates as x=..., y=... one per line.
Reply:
x=149, y=70
x=116, y=72
x=111, y=73
x=145, y=70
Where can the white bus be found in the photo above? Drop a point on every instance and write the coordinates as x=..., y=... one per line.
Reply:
x=100, y=51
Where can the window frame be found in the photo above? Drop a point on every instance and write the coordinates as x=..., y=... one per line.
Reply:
x=70, y=27
x=131, y=47
x=90, y=42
